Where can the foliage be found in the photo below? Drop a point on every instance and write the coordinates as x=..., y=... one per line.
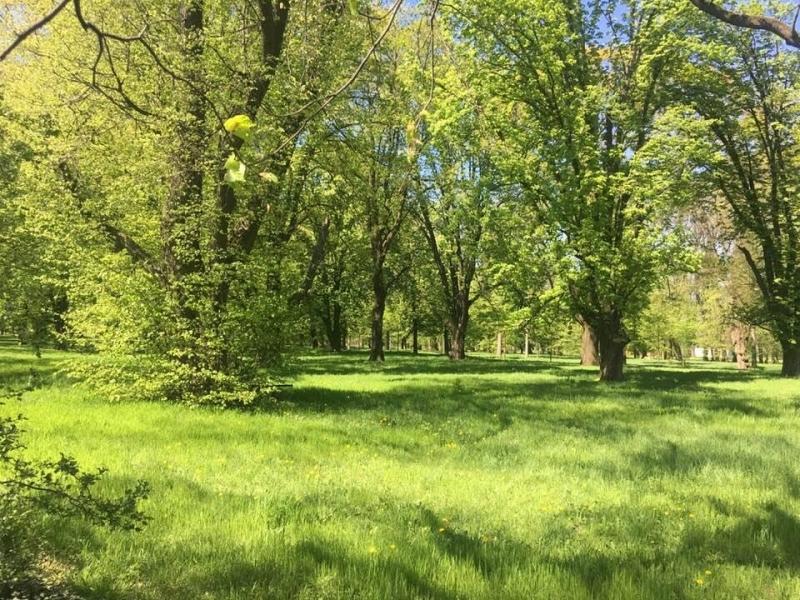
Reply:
x=578, y=100
x=735, y=133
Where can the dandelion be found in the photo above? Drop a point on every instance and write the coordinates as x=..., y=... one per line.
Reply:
x=392, y=547
x=441, y=529
x=372, y=550
x=708, y=572
x=699, y=581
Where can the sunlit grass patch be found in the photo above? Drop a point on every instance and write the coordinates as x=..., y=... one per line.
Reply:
x=428, y=479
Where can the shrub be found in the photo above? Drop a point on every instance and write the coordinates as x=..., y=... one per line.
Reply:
x=30, y=489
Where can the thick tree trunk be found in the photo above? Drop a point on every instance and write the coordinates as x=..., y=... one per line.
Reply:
x=739, y=337
x=527, y=347
x=611, y=341
x=181, y=220
x=333, y=328
x=458, y=335
x=457, y=328
x=415, y=335
x=612, y=358
x=791, y=360
x=589, y=349
x=499, y=346
x=376, y=339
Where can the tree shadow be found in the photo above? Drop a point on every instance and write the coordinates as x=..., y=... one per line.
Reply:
x=281, y=567
x=767, y=537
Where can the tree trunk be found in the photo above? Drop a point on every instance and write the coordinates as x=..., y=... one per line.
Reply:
x=611, y=341
x=499, y=345
x=458, y=334
x=378, y=308
x=181, y=219
x=527, y=349
x=415, y=335
x=336, y=336
x=589, y=348
x=739, y=336
x=791, y=360
x=677, y=353
x=754, y=352
x=612, y=358
x=457, y=328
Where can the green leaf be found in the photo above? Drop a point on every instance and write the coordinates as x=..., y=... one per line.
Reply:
x=235, y=170
x=352, y=6
x=240, y=125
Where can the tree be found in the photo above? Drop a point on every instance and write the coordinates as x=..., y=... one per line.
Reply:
x=200, y=105
x=582, y=83
x=742, y=123
x=457, y=197
x=376, y=160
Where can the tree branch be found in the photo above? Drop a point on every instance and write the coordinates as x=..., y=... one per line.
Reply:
x=21, y=37
x=786, y=32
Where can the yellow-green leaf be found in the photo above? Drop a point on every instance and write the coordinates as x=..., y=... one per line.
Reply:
x=234, y=170
x=239, y=125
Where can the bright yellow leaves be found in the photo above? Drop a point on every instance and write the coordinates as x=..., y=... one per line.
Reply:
x=240, y=126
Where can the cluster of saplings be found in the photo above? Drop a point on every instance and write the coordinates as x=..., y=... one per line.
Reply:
x=195, y=192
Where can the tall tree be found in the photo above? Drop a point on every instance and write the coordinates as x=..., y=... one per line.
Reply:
x=376, y=161
x=172, y=83
x=458, y=195
x=582, y=83
x=741, y=127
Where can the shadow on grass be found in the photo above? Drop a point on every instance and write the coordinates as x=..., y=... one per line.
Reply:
x=657, y=375
x=21, y=369
x=768, y=536
x=528, y=401
x=629, y=544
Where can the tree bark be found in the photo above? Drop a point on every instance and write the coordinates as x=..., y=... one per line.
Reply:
x=458, y=334
x=378, y=309
x=611, y=341
x=791, y=360
x=415, y=336
x=499, y=344
x=765, y=23
x=589, y=349
x=612, y=358
x=457, y=327
x=739, y=336
x=333, y=326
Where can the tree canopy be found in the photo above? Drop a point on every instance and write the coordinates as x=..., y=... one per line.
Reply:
x=196, y=191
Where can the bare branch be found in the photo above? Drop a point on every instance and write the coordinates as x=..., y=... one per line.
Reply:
x=786, y=32
x=34, y=28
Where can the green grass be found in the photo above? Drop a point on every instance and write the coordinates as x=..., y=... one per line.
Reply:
x=425, y=479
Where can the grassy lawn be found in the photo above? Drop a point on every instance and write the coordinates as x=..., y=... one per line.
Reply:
x=425, y=479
